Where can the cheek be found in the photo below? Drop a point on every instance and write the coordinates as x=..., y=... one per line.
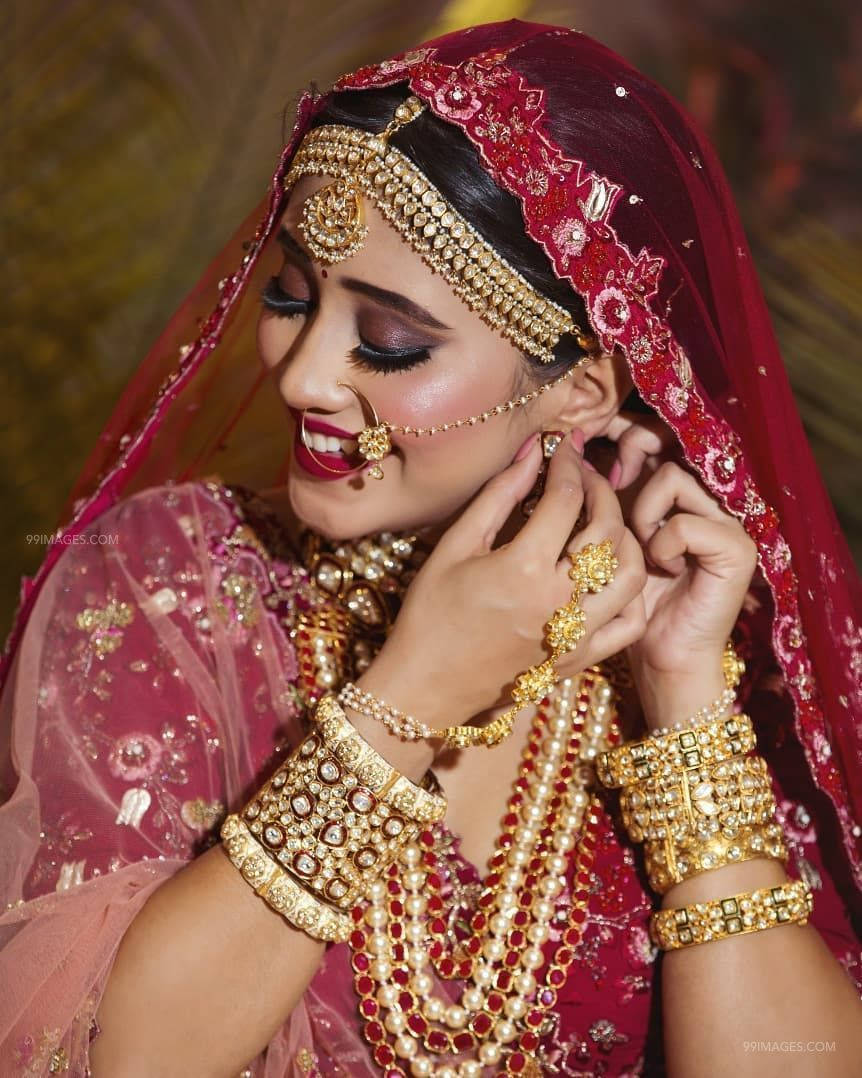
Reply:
x=474, y=450
x=274, y=337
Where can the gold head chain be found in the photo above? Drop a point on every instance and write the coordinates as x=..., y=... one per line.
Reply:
x=332, y=222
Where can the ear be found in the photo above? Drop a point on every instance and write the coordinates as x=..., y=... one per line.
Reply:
x=594, y=395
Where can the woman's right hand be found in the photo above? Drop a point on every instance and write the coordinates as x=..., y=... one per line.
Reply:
x=474, y=617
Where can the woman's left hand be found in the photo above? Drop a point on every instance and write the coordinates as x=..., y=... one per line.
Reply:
x=700, y=561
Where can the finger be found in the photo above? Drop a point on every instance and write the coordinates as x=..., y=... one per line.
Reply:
x=604, y=519
x=476, y=528
x=720, y=548
x=671, y=487
x=552, y=521
x=638, y=438
x=620, y=632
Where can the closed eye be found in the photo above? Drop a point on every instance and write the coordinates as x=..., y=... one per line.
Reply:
x=365, y=355
x=277, y=300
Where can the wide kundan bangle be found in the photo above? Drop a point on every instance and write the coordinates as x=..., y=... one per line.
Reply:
x=634, y=762
x=668, y=862
x=327, y=823
x=699, y=802
x=749, y=911
x=278, y=888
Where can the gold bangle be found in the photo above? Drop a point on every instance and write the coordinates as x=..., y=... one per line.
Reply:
x=278, y=889
x=699, y=803
x=749, y=911
x=668, y=863
x=333, y=816
x=420, y=802
x=634, y=762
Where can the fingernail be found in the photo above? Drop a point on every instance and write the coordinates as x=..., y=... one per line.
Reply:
x=525, y=448
x=615, y=474
x=577, y=437
x=590, y=467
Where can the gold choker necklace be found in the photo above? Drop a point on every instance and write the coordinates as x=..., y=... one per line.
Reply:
x=361, y=584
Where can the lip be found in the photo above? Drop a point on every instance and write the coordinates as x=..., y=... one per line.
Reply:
x=319, y=426
x=340, y=465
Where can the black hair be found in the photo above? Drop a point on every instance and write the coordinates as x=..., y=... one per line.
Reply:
x=449, y=160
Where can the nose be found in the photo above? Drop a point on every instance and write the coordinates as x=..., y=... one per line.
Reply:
x=311, y=369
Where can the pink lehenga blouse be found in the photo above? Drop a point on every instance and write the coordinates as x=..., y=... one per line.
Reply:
x=156, y=687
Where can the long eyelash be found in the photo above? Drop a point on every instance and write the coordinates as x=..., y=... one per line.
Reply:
x=274, y=297
x=364, y=355
x=393, y=361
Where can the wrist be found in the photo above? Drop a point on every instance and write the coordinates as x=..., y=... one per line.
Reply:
x=726, y=881
x=668, y=697
x=411, y=758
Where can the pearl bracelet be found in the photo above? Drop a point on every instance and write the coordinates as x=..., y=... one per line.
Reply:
x=716, y=710
x=403, y=726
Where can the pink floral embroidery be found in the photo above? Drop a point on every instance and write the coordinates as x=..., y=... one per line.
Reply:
x=720, y=467
x=570, y=236
x=610, y=311
x=677, y=399
x=135, y=757
x=455, y=101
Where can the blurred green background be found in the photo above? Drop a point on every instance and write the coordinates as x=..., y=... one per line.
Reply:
x=136, y=136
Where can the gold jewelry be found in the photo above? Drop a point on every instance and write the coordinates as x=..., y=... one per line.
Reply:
x=703, y=818
x=375, y=442
x=668, y=863
x=279, y=890
x=673, y=752
x=365, y=165
x=512, y=978
x=593, y=567
x=550, y=441
x=749, y=911
x=361, y=583
x=327, y=822
x=403, y=726
x=562, y=633
x=699, y=803
x=420, y=804
x=567, y=627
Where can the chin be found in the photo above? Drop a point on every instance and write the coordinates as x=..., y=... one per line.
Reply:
x=314, y=506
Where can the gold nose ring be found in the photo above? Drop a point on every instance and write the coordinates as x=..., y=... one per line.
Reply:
x=374, y=441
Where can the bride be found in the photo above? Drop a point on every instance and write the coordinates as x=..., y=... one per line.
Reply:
x=460, y=736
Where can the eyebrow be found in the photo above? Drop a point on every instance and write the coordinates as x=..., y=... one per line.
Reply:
x=394, y=300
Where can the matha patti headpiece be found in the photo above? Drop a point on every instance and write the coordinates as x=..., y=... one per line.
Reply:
x=364, y=165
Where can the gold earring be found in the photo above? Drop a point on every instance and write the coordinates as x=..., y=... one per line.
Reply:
x=374, y=441
x=550, y=440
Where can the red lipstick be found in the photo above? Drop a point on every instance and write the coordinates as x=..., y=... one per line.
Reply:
x=339, y=464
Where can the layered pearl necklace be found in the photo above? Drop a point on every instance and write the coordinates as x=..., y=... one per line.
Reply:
x=400, y=940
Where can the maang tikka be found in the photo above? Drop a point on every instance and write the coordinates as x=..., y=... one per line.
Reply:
x=332, y=222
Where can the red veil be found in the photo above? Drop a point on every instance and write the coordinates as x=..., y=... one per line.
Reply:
x=631, y=207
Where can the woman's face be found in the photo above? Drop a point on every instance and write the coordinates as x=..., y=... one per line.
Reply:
x=386, y=323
